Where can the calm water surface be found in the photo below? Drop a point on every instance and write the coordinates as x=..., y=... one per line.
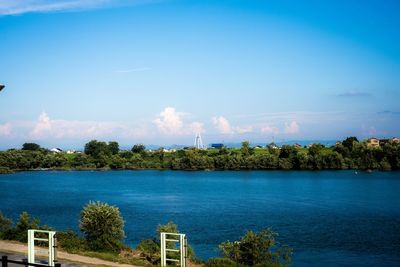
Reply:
x=336, y=218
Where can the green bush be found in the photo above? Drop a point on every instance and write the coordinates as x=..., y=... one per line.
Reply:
x=103, y=226
x=257, y=249
x=150, y=250
x=20, y=231
x=5, y=225
x=221, y=262
x=71, y=242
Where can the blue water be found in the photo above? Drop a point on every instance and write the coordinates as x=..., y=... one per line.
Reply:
x=329, y=218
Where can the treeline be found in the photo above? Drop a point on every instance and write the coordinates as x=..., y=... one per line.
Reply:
x=348, y=154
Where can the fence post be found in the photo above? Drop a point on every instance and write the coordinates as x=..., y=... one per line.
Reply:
x=4, y=261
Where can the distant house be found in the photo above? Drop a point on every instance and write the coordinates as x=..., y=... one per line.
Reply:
x=272, y=145
x=373, y=142
x=297, y=145
x=56, y=150
x=169, y=150
x=258, y=147
x=217, y=146
x=396, y=140
x=338, y=143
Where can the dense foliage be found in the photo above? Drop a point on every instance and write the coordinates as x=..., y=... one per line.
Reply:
x=103, y=226
x=150, y=248
x=19, y=231
x=349, y=154
x=257, y=249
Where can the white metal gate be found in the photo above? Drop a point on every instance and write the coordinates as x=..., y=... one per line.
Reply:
x=51, y=251
x=173, y=239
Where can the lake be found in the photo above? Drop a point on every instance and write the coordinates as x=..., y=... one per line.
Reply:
x=329, y=218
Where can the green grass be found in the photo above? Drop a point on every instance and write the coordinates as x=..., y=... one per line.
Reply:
x=114, y=257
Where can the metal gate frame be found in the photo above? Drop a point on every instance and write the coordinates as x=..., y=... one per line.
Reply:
x=182, y=240
x=52, y=245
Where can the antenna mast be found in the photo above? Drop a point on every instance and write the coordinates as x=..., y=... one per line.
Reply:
x=198, y=142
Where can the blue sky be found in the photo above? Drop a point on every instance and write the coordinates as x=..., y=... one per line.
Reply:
x=157, y=72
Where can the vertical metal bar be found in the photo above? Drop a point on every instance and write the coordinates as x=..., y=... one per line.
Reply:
x=182, y=249
x=31, y=246
x=163, y=256
x=51, y=258
x=55, y=247
x=186, y=250
x=4, y=261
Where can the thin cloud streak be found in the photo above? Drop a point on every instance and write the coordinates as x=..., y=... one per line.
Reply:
x=18, y=7
x=354, y=93
x=133, y=70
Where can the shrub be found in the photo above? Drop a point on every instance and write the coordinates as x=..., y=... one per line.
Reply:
x=19, y=232
x=103, y=226
x=221, y=262
x=71, y=242
x=257, y=249
x=5, y=225
x=150, y=250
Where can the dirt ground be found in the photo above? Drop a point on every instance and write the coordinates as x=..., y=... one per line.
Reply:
x=11, y=248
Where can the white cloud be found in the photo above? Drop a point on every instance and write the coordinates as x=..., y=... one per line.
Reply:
x=5, y=129
x=268, y=129
x=223, y=126
x=42, y=127
x=292, y=128
x=244, y=129
x=196, y=127
x=47, y=128
x=171, y=122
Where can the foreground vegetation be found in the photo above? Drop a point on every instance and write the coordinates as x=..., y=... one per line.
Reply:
x=348, y=154
x=102, y=228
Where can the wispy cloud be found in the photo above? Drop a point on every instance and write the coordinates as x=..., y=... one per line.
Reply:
x=389, y=112
x=47, y=128
x=16, y=7
x=133, y=70
x=223, y=126
x=354, y=93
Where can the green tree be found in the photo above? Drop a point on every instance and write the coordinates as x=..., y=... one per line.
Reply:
x=349, y=142
x=246, y=149
x=287, y=151
x=103, y=226
x=19, y=232
x=30, y=146
x=94, y=148
x=315, y=149
x=113, y=147
x=257, y=249
x=138, y=148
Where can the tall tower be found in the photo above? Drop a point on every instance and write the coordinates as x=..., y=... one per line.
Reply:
x=198, y=142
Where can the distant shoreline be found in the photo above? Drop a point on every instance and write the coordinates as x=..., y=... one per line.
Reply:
x=350, y=154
